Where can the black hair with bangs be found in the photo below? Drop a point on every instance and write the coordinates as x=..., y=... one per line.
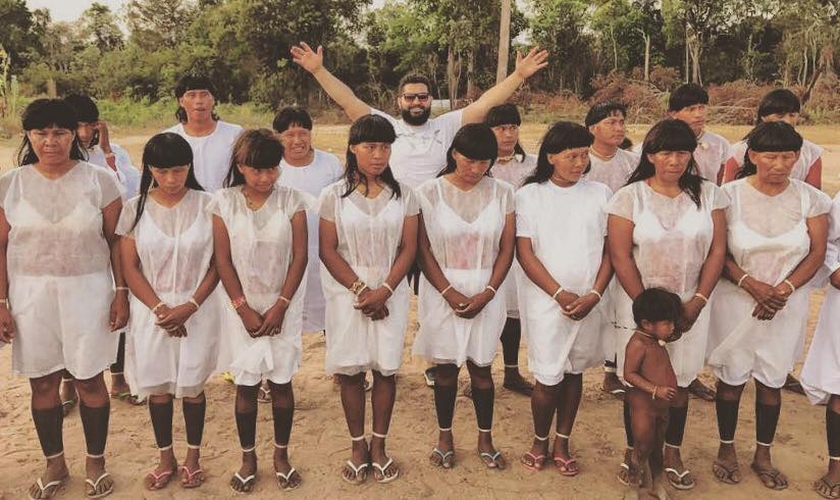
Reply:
x=778, y=101
x=769, y=137
x=506, y=114
x=369, y=128
x=256, y=148
x=670, y=135
x=47, y=113
x=559, y=137
x=475, y=141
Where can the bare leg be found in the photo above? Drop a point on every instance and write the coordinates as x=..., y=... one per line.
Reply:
x=828, y=486
x=353, y=402
x=571, y=391
x=160, y=411
x=483, y=396
x=544, y=401
x=94, y=409
x=725, y=467
x=768, y=403
x=382, y=405
x=283, y=412
x=656, y=460
x=246, y=426
x=446, y=387
x=678, y=413
x=47, y=416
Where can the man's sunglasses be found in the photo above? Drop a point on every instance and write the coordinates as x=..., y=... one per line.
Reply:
x=420, y=97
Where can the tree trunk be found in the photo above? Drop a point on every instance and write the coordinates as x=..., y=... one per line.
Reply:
x=472, y=90
x=451, y=78
x=504, y=42
x=615, y=52
x=647, y=56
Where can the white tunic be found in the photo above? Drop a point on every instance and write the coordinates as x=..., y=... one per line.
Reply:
x=419, y=152
x=126, y=174
x=808, y=155
x=211, y=153
x=767, y=238
x=571, y=250
x=175, y=246
x=369, y=236
x=821, y=372
x=59, y=269
x=261, y=251
x=613, y=172
x=711, y=153
x=312, y=179
x=671, y=241
x=514, y=173
x=464, y=229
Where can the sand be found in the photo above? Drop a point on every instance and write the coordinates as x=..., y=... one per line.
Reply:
x=320, y=442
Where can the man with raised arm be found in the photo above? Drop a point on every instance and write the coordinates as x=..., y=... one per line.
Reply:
x=419, y=152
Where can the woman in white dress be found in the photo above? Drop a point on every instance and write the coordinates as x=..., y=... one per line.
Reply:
x=368, y=244
x=59, y=266
x=820, y=373
x=465, y=251
x=568, y=269
x=512, y=166
x=778, y=229
x=667, y=229
x=259, y=233
x=167, y=258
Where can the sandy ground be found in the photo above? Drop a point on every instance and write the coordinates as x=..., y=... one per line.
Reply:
x=320, y=443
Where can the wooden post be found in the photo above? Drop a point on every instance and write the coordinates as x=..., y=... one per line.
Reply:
x=504, y=42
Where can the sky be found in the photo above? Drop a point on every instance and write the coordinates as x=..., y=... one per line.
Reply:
x=70, y=10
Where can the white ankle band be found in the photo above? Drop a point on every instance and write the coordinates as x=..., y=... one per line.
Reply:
x=281, y=446
x=562, y=436
x=357, y=438
x=835, y=459
x=764, y=444
x=539, y=438
x=511, y=366
x=165, y=448
x=116, y=373
x=484, y=430
x=95, y=456
x=673, y=446
x=378, y=435
x=609, y=369
x=727, y=441
x=193, y=446
x=441, y=429
x=60, y=453
x=249, y=450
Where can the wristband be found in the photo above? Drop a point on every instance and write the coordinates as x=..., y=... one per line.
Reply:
x=195, y=303
x=742, y=278
x=557, y=292
x=157, y=306
x=653, y=394
x=388, y=287
x=121, y=288
x=284, y=299
x=238, y=302
x=788, y=283
x=702, y=297
x=596, y=292
x=488, y=287
x=446, y=290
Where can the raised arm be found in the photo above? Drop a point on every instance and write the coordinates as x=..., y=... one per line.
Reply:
x=313, y=62
x=499, y=93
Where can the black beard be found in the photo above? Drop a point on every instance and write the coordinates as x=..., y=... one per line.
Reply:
x=416, y=120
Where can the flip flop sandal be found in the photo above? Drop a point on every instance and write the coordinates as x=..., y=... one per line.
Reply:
x=772, y=474
x=185, y=471
x=678, y=484
x=67, y=406
x=56, y=486
x=833, y=488
x=245, y=483
x=157, y=485
x=521, y=387
x=94, y=486
x=264, y=395
x=284, y=480
x=621, y=480
x=563, y=467
x=359, y=472
x=382, y=468
x=537, y=462
x=494, y=460
x=728, y=471
x=446, y=458
x=129, y=398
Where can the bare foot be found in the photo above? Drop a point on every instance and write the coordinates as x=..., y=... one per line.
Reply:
x=534, y=459
x=360, y=460
x=192, y=476
x=51, y=481
x=770, y=476
x=492, y=458
x=97, y=483
x=287, y=478
x=444, y=453
x=158, y=478
x=678, y=476
x=725, y=468
x=384, y=468
x=244, y=479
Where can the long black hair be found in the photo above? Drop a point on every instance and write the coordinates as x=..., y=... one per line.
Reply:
x=670, y=135
x=768, y=137
x=559, y=137
x=506, y=114
x=256, y=148
x=369, y=128
x=164, y=150
x=46, y=113
x=777, y=101
x=86, y=111
x=476, y=141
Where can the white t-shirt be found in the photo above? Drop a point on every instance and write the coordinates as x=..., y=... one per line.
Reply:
x=712, y=152
x=615, y=171
x=211, y=153
x=419, y=152
x=127, y=175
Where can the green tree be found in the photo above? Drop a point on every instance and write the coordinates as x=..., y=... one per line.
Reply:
x=20, y=34
x=157, y=23
x=99, y=26
x=560, y=27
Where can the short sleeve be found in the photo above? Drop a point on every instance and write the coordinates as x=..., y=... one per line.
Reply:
x=5, y=182
x=129, y=212
x=412, y=204
x=326, y=202
x=819, y=202
x=214, y=206
x=622, y=203
x=109, y=189
x=717, y=198
x=295, y=201
x=450, y=123
x=336, y=169
x=377, y=112
x=523, y=214
x=508, y=201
